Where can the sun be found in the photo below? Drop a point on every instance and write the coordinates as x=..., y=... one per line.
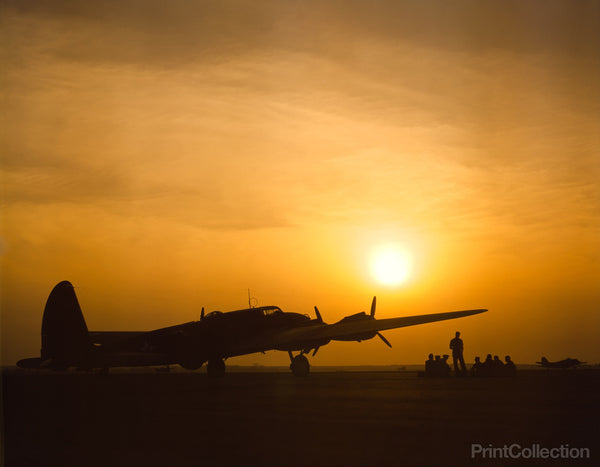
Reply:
x=390, y=264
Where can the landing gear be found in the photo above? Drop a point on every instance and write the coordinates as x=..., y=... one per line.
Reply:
x=299, y=365
x=215, y=367
x=191, y=364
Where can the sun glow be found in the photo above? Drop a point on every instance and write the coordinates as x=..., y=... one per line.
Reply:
x=391, y=265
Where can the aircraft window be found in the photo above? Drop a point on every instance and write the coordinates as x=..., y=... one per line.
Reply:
x=272, y=311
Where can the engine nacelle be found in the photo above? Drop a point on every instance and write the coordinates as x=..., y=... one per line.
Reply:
x=357, y=337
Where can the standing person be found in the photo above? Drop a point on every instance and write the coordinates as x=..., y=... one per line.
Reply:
x=456, y=345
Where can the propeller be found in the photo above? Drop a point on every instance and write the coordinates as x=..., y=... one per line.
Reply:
x=384, y=340
x=360, y=317
x=319, y=320
x=373, y=306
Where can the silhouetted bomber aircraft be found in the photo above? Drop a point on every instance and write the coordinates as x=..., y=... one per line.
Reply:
x=66, y=341
x=564, y=364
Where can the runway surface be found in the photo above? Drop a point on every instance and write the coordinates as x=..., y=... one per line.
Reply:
x=273, y=418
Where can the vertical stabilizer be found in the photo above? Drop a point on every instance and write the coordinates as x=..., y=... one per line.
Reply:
x=65, y=338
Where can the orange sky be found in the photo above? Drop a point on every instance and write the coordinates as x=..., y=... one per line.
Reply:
x=164, y=156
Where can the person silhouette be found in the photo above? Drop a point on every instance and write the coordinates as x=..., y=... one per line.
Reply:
x=456, y=345
x=487, y=366
x=429, y=365
x=444, y=367
x=509, y=366
x=476, y=368
x=498, y=366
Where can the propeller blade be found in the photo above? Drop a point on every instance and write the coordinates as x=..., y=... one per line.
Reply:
x=373, y=304
x=316, y=350
x=202, y=314
x=384, y=340
x=319, y=319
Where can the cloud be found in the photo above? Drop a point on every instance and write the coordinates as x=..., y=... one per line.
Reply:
x=181, y=33
x=135, y=32
x=275, y=114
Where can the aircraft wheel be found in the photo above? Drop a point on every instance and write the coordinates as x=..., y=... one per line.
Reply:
x=191, y=364
x=300, y=366
x=215, y=367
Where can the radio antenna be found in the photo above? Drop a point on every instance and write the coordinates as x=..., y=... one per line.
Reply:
x=250, y=299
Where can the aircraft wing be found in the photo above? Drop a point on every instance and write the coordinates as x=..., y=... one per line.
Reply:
x=345, y=330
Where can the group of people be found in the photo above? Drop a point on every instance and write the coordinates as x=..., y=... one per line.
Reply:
x=493, y=366
x=438, y=366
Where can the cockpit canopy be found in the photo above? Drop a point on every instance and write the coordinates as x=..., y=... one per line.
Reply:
x=213, y=314
x=262, y=310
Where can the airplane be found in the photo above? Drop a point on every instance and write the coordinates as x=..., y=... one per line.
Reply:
x=564, y=364
x=66, y=341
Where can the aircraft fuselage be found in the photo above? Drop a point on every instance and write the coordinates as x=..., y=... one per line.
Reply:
x=216, y=336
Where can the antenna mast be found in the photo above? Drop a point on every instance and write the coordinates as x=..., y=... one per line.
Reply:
x=250, y=300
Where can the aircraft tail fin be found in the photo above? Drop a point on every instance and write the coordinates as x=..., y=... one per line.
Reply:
x=65, y=336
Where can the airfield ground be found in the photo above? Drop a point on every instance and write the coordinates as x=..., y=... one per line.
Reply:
x=273, y=418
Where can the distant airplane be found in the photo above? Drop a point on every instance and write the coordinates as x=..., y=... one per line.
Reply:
x=566, y=363
x=66, y=341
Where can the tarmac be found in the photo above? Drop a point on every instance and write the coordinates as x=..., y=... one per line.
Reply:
x=330, y=418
